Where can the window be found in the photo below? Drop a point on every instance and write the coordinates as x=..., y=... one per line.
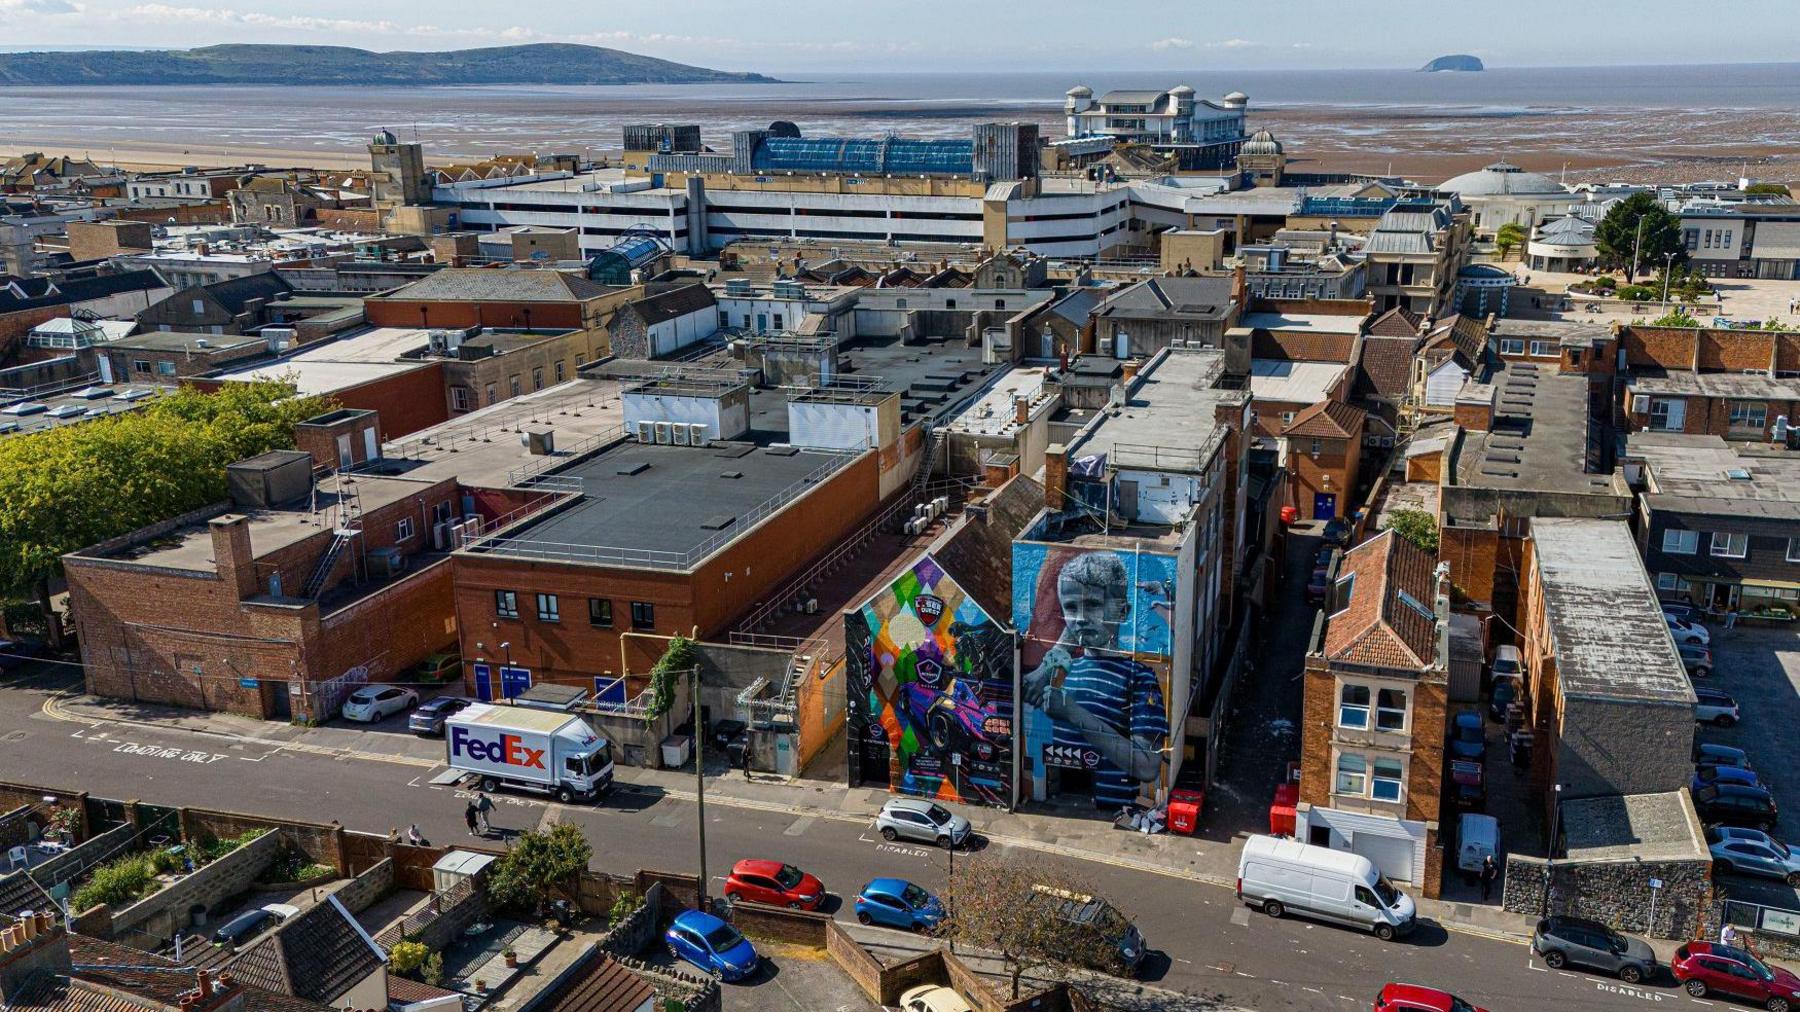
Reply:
x=999, y=304
x=403, y=531
x=1729, y=546
x=1680, y=542
x=1543, y=349
x=1390, y=710
x=600, y=612
x=165, y=368
x=559, y=372
x=1287, y=419
x=1317, y=445
x=1352, y=775
x=724, y=319
x=140, y=365
x=199, y=307
x=776, y=318
x=1793, y=550
x=1353, y=706
x=513, y=383
x=1667, y=415
x=1512, y=346
x=1390, y=775
x=506, y=604
x=949, y=303
x=549, y=609
x=490, y=394
x=643, y=615
x=459, y=398
x=1748, y=415
x=1671, y=581
x=537, y=378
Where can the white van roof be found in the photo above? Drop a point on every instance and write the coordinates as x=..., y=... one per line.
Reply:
x=1322, y=858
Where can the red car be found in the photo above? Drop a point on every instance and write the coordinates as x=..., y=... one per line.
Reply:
x=1417, y=998
x=1705, y=968
x=772, y=882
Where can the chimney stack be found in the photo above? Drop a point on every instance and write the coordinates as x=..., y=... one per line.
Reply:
x=1056, y=476
x=1021, y=410
x=232, y=555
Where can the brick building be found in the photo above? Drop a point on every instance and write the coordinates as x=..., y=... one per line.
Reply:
x=1608, y=699
x=165, y=355
x=1374, y=711
x=1734, y=384
x=462, y=297
x=271, y=604
x=1324, y=454
x=234, y=306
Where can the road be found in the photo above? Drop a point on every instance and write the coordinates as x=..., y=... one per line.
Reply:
x=1211, y=946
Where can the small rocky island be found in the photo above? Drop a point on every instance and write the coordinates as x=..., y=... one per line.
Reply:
x=1455, y=62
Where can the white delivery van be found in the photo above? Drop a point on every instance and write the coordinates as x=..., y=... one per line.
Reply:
x=529, y=749
x=1477, y=838
x=1280, y=875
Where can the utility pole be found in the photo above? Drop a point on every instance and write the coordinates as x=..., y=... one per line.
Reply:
x=699, y=778
x=1550, y=851
x=1636, y=245
x=1668, y=270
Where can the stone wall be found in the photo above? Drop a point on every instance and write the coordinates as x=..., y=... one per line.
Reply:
x=365, y=889
x=164, y=912
x=759, y=920
x=76, y=860
x=318, y=841
x=637, y=931
x=455, y=909
x=1616, y=893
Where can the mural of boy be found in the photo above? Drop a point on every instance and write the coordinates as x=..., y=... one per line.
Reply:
x=1097, y=697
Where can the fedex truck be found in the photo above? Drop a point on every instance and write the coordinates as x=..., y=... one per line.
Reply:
x=543, y=751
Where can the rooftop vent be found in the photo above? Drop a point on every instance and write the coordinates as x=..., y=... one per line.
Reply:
x=633, y=467
x=1738, y=474
x=717, y=523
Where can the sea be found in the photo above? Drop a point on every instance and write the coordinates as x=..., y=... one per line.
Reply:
x=1588, y=114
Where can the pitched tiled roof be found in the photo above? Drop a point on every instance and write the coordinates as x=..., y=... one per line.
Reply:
x=38, y=292
x=317, y=956
x=674, y=302
x=1396, y=322
x=233, y=293
x=1328, y=420
x=607, y=986
x=1385, y=367
x=488, y=284
x=155, y=978
x=18, y=893
x=1207, y=298
x=1388, y=620
x=47, y=993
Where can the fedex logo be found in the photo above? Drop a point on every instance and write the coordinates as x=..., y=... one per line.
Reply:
x=509, y=750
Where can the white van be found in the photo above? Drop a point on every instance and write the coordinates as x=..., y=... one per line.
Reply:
x=1280, y=875
x=1477, y=837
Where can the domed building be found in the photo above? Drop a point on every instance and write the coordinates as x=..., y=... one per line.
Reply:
x=1503, y=193
x=1565, y=244
x=1262, y=160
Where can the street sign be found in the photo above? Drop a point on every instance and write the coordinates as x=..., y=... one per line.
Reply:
x=1071, y=757
x=1656, y=883
x=247, y=683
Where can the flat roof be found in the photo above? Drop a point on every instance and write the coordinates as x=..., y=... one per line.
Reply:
x=94, y=401
x=1173, y=408
x=1293, y=382
x=1539, y=439
x=1705, y=474
x=482, y=448
x=345, y=361
x=175, y=340
x=1740, y=385
x=993, y=413
x=1606, y=622
x=665, y=506
x=1633, y=827
x=1318, y=323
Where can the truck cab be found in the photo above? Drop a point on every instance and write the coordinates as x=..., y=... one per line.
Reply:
x=530, y=749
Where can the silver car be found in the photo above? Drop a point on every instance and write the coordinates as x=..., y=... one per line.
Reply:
x=916, y=819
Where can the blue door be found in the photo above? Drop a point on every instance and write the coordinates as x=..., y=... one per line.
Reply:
x=514, y=681
x=484, y=683
x=1324, y=505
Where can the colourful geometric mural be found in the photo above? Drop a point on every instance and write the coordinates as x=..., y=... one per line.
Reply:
x=931, y=695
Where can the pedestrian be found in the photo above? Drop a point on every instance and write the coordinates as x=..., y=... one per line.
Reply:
x=1728, y=936
x=472, y=817
x=413, y=836
x=1489, y=872
x=483, y=805
x=1731, y=619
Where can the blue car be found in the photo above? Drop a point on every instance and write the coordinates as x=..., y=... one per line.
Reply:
x=897, y=903
x=1706, y=774
x=712, y=945
x=1468, y=736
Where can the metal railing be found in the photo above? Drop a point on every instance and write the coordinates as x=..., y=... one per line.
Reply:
x=532, y=548
x=518, y=477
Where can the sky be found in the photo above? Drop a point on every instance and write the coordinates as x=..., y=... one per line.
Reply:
x=909, y=36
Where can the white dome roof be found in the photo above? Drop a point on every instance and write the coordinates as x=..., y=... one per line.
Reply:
x=1261, y=142
x=1236, y=98
x=1500, y=178
x=1080, y=91
x=1181, y=89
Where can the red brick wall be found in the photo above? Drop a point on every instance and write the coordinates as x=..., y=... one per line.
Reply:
x=1338, y=460
x=212, y=213
x=408, y=401
x=1318, y=714
x=415, y=313
x=1472, y=554
x=390, y=631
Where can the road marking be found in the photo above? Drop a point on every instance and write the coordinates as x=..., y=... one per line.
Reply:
x=1314, y=990
x=799, y=826
x=1532, y=965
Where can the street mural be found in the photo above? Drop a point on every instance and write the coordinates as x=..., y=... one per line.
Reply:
x=1095, y=635
x=930, y=684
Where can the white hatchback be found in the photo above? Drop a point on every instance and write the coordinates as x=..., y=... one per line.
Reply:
x=375, y=702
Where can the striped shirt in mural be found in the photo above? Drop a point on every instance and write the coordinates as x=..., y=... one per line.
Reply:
x=1126, y=696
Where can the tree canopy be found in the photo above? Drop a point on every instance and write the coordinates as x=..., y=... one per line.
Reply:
x=1511, y=235
x=1617, y=234
x=69, y=487
x=1416, y=526
x=1006, y=907
x=538, y=864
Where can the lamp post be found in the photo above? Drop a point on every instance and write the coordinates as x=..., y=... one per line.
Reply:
x=699, y=780
x=1550, y=851
x=1668, y=272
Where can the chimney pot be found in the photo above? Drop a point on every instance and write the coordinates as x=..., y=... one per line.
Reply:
x=28, y=925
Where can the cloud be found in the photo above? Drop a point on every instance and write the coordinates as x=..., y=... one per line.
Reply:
x=1232, y=44
x=1172, y=43
x=38, y=7
x=256, y=19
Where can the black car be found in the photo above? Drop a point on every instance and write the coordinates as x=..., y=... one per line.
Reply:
x=1737, y=805
x=1318, y=587
x=1337, y=531
x=15, y=654
x=1709, y=754
x=428, y=719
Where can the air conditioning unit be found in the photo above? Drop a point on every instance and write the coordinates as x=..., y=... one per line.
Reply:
x=387, y=562
x=646, y=432
x=678, y=433
x=440, y=536
x=812, y=606
x=662, y=433
x=698, y=433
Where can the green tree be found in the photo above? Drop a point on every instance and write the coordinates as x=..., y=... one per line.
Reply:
x=679, y=657
x=66, y=488
x=1618, y=237
x=1416, y=526
x=1675, y=318
x=538, y=865
x=1511, y=236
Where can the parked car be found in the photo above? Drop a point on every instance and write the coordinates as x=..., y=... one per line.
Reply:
x=1506, y=678
x=1561, y=940
x=1709, y=754
x=444, y=667
x=1697, y=659
x=1752, y=852
x=1681, y=610
x=897, y=903
x=1468, y=736
x=377, y=702
x=933, y=998
x=1707, y=774
x=1418, y=998
x=1322, y=557
x=1708, y=969
x=712, y=945
x=1737, y=805
x=918, y=819
x=1714, y=707
x=1337, y=531
x=777, y=884
x=1685, y=631
x=251, y=923
x=1469, y=778
x=1281, y=876
x=15, y=654
x=1318, y=587
x=1116, y=947
x=428, y=719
